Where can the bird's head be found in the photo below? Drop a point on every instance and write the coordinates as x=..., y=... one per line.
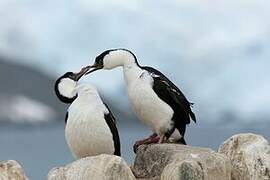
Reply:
x=65, y=86
x=113, y=58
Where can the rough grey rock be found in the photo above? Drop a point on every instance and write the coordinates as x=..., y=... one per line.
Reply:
x=103, y=167
x=178, y=162
x=250, y=156
x=11, y=170
x=187, y=169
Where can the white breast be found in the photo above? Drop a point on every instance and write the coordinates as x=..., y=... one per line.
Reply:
x=87, y=132
x=148, y=106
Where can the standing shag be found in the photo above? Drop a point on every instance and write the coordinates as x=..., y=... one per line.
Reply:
x=90, y=125
x=155, y=99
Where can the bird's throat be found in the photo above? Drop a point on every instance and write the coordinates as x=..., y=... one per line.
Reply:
x=132, y=72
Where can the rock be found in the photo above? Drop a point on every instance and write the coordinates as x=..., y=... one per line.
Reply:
x=11, y=170
x=103, y=167
x=179, y=162
x=250, y=156
x=187, y=169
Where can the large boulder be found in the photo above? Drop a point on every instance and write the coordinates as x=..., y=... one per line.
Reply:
x=187, y=169
x=179, y=162
x=250, y=156
x=11, y=170
x=103, y=167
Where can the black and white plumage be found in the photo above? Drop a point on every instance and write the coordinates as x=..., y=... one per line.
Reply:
x=155, y=99
x=90, y=125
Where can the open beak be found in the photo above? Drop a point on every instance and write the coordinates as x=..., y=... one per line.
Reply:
x=93, y=68
x=83, y=71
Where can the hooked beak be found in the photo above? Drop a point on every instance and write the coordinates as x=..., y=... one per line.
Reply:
x=80, y=74
x=95, y=68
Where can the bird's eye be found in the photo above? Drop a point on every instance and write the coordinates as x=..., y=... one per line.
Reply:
x=99, y=61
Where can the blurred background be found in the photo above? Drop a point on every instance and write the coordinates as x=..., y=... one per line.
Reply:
x=216, y=52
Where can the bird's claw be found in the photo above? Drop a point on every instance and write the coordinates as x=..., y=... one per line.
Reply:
x=151, y=140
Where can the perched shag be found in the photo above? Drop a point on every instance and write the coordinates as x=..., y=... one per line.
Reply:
x=155, y=99
x=90, y=125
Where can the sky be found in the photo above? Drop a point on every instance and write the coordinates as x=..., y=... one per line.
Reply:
x=217, y=52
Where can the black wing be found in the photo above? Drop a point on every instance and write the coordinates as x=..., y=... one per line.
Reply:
x=172, y=95
x=110, y=120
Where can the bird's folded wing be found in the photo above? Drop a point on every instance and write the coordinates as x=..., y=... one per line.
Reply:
x=170, y=90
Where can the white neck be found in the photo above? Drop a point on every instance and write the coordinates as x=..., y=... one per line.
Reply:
x=89, y=98
x=87, y=92
x=126, y=59
x=118, y=58
x=131, y=73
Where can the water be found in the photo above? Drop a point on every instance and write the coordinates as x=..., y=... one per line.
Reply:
x=41, y=149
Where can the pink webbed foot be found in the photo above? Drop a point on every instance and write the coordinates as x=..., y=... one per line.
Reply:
x=150, y=140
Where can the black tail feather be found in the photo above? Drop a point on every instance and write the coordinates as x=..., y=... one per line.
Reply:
x=182, y=141
x=192, y=115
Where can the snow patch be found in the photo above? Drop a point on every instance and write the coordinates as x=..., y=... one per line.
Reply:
x=21, y=109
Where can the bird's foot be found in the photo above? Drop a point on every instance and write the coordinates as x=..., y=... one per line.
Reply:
x=162, y=139
x=150, y=140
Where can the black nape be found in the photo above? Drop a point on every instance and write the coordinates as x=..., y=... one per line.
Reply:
x=99, y=59
x=62, y=98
